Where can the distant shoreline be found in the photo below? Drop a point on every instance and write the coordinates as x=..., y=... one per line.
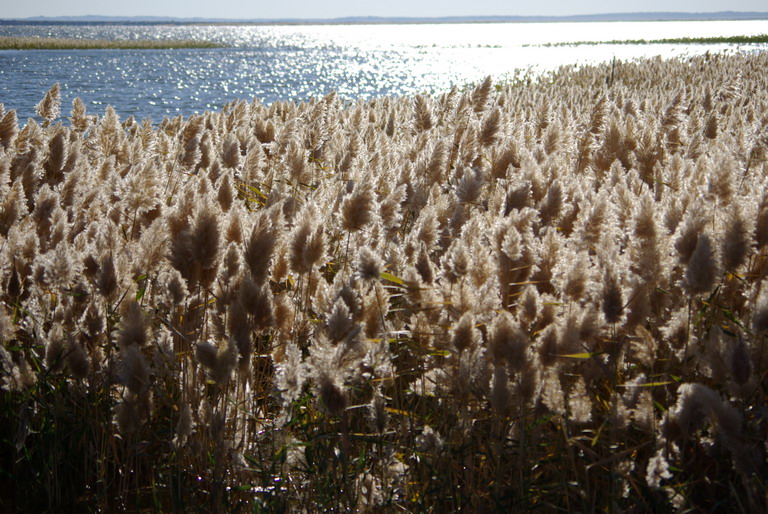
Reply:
x=50, y=43
x=53, y=43
x=373, y=20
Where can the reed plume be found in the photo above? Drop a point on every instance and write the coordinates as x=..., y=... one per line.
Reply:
x=333, y=305
x=481, y=94
x=307, y=243
x=737, y=240
x=591, y=131
x=260, y=248
x=703, y=267
x=230, y=152
x=8, y=129
x=49, y=107
x=490, y=128
x=422, y=114
x=357, y=208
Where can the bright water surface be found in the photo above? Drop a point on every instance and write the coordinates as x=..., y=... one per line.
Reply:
x=275, y=63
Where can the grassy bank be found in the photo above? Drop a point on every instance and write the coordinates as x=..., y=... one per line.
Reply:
x=732, y=40
x=33, y=43
x=541, y=296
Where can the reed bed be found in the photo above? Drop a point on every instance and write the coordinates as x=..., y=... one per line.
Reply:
x=53, y=43
x=534, y=296
x=710, y=40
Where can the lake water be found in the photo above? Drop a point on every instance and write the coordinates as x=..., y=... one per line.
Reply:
x=277, y=63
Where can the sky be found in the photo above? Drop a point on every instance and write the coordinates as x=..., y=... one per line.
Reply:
x=251, y=9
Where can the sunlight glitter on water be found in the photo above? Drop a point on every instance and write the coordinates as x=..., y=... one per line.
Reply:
x=276, y=63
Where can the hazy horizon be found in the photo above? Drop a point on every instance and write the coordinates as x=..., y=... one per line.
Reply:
x=608, y=17
x=305, y=9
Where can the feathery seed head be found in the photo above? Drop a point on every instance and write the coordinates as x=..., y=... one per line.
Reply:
x=306, y=242
x=206, y=353
x=510, y=240
x=8, y=129
x=226, y=359
x=230, y=152
x=613, y=298
x=703, y=268
x=332, y=397
x=501, y=397
x=579, y=404
x=339, y=323
x=481, y=94
x=529, y=306
x=256, y=301
x=92, y=321
x=49, y=106
x=761, y=224
x=377, y=414
x=464, y=335
x=423, y=265
x=80, y=121
x=357, y=208
x=289, y=374
x=77, y=360
x=470, y=186
x=456, y=262
x=657, y=470
x=490, y=129
x=741, y=362
x=184, y=426
x=56, y=348
x=134, y=327
x=422, y=114
x=645, y=219
x=105, y=277
x=134, y=370
x=508, y=342
x=736, y=241
x=205, y=241
x=760, y=311
x=369, y=266
x=260, y=247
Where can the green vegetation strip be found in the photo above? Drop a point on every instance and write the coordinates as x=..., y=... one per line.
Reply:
x=760, y=38
x=33, y=43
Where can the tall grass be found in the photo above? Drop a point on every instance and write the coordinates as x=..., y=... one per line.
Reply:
x=51, y=43
x=514, y=297
x=706, y=40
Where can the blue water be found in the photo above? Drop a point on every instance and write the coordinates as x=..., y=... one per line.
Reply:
x=295, y=63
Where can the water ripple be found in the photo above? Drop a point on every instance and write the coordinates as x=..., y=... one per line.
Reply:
x=275, y=63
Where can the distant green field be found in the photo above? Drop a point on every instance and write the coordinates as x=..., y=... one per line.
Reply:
x=761, y=38
x=33, y=43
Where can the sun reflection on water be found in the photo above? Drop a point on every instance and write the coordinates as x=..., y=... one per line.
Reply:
x=276, y=63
